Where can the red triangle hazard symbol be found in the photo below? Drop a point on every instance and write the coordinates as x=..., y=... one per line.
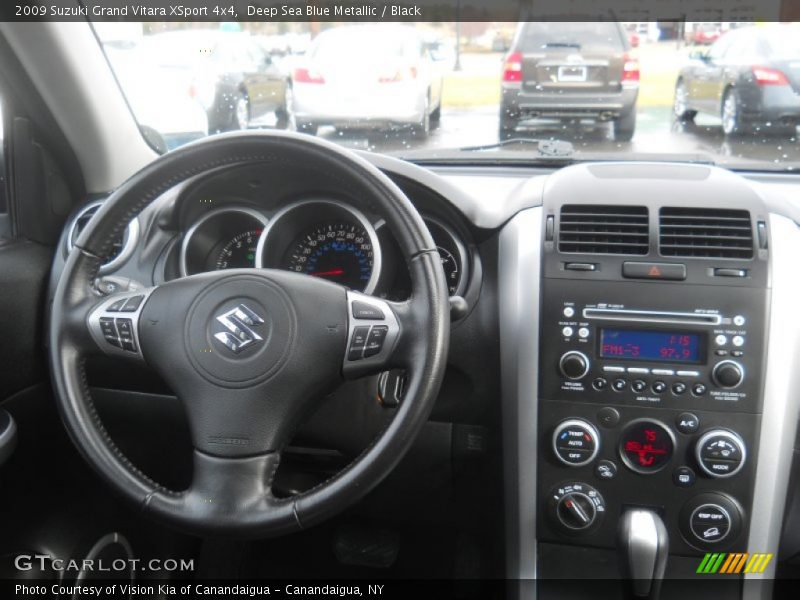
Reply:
x=654, y=271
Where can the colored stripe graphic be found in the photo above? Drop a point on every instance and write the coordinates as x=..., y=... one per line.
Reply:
x=734, y=563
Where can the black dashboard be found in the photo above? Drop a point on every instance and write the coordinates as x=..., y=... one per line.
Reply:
x=612, y=349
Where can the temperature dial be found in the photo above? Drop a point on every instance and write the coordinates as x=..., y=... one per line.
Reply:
x=720, y=453
x=576, y=507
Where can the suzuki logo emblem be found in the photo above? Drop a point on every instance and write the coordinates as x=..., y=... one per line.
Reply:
x=239, y=324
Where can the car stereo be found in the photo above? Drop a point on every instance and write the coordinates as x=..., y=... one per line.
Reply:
x=638, y=346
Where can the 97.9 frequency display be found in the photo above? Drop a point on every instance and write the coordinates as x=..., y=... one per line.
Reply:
x=663, y=346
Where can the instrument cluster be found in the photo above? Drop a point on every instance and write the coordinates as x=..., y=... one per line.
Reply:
x=319, y=237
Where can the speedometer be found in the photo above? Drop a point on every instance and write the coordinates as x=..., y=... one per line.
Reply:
x=337, y=251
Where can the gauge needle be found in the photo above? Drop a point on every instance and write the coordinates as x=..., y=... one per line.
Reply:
x=328, y=273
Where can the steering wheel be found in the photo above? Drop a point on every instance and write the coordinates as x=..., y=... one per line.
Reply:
x=249, y=352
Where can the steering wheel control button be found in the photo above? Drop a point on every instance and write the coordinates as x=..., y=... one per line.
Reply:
x=133, y=303
x=109, y=331
x=639, y=386
x=600, y=383
x=117, y=305
x=605, y=469
x=375, y=339
x=125, y=330
x=728, y=374
x=710, y=523
x=659, y=387
x=687, y=423
x=608, y=416
x=576, y=442
x=358, y=342
x=699, y=389
x=720, y=453
x=646, y=446
x=574, y=365
x=619, y=385
x=364, y=311
x=684, y=477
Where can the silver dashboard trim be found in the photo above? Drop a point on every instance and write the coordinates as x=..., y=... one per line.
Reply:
x=780, y=411
x=129, y=240
x=519, y=272
x=358, y=215
x=187, y=237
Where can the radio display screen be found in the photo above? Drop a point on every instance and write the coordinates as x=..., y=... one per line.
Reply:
x=663, y=346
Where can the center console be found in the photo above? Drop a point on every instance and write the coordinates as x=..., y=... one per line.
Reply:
x=648, y=392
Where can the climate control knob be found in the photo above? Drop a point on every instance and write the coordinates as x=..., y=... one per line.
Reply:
x=576, y=442
x=576, y=507
x=728, y=374
x=574, y=365
x=720, y=453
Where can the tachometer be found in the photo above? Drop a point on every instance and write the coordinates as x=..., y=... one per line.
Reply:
x=338, y=251
x=239, y=252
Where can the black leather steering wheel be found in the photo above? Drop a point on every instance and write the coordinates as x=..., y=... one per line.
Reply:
x=249, y=352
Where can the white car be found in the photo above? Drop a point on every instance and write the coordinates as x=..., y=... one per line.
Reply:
x=367, y=76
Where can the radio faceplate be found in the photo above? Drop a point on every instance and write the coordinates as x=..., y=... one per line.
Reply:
x=653, y=345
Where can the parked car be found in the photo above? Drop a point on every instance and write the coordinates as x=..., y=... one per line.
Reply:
x=157, y=101
x=570, y=72
x=368, y=76
x=234, y=78
x=705, y=33
x=750, y=78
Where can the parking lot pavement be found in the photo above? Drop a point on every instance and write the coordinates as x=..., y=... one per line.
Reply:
x=656, y=133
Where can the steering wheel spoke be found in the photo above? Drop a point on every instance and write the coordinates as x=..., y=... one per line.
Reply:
x=113, y=324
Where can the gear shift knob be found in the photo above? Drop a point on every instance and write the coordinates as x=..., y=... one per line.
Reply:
x=643, y=546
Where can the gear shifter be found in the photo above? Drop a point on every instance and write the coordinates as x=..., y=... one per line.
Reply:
x=643, y=545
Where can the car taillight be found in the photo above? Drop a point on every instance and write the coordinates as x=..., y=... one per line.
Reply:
x=630, y=69
x=302, y=75
x=399, y=75
x=512, y=68
x=767, y=76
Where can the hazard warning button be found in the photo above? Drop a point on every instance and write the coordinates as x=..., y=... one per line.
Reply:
x=649, y=270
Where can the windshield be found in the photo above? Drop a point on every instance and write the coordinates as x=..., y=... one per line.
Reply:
x=716, y=92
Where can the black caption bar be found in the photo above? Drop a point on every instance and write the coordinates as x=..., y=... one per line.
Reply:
x=399, y=10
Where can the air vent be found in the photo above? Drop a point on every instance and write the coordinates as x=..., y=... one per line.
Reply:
x=592, y=229
x=705, y=233
x=122, y=247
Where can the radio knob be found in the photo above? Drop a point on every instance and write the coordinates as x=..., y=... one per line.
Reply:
x=574, y=365
x=728, y=374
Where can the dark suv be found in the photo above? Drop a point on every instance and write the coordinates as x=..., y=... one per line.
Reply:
x=572, y=72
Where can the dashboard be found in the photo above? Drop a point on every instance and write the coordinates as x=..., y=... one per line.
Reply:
x=617, y=343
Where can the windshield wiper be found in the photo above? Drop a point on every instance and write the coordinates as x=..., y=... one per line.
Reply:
x=546, y=148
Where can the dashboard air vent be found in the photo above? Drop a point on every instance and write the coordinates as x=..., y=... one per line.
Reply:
x=123, y=245
x=593, y=229
x=705, y=233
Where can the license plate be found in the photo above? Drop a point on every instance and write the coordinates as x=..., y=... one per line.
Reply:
x=571, y=73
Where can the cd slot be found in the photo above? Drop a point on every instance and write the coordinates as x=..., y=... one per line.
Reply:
x=649, y=316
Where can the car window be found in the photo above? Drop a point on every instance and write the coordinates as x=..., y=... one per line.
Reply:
x=720, y=48
x=538, y=37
